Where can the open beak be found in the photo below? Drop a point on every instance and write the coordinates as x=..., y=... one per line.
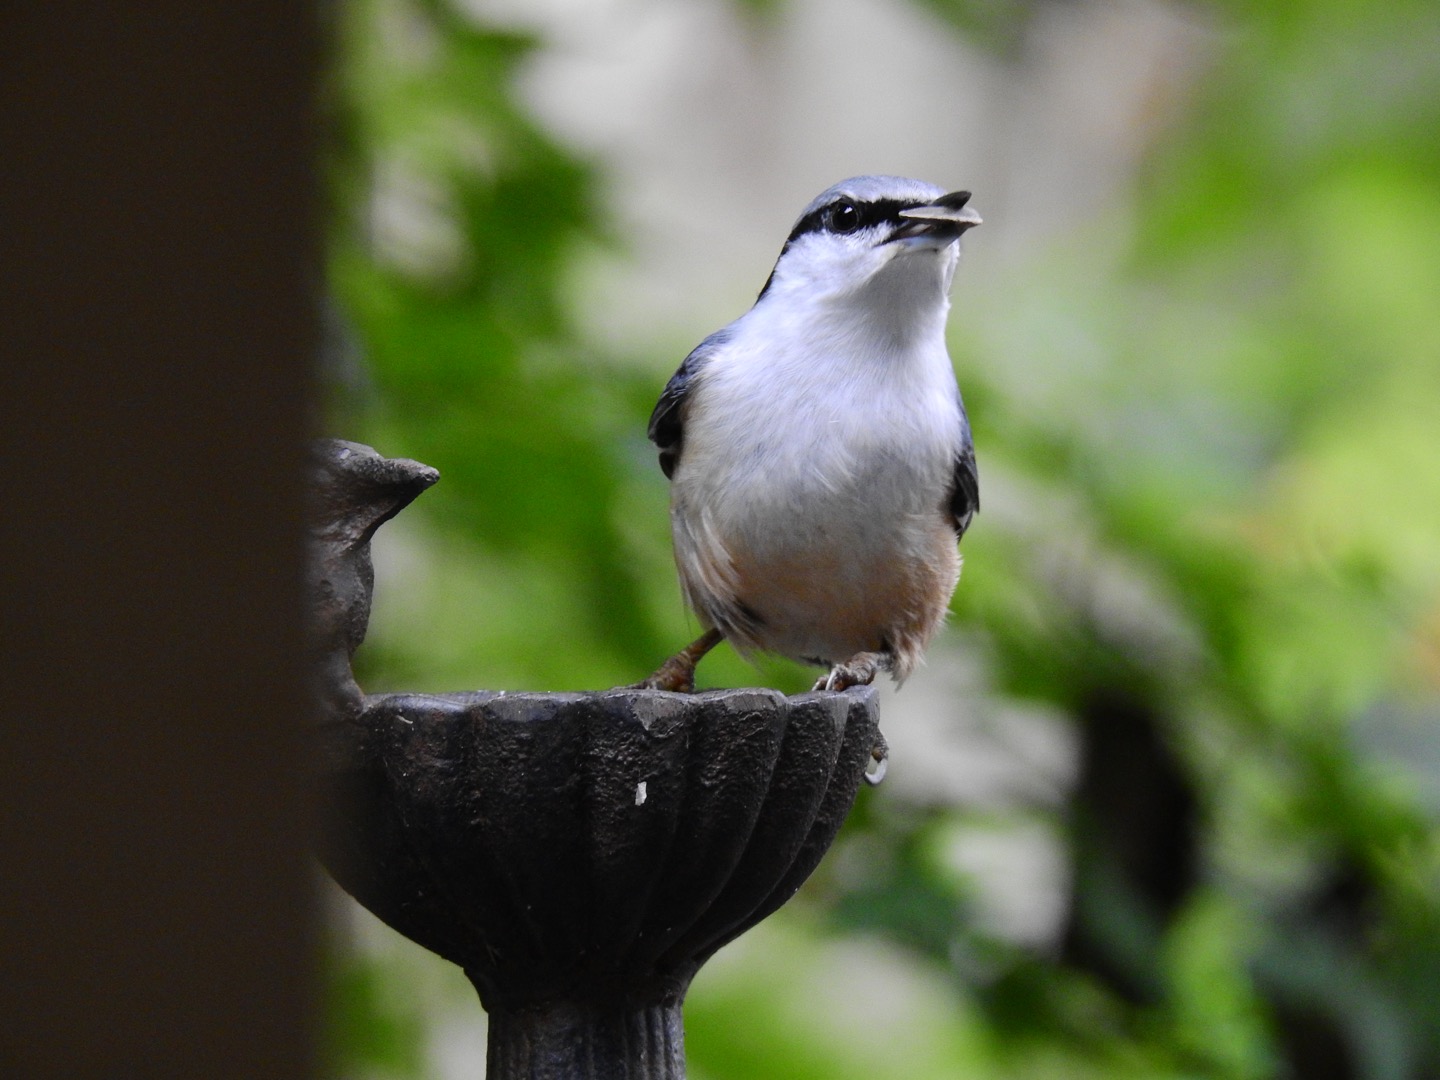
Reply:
x=946, y=213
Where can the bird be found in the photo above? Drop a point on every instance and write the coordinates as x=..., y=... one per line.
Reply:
x=821, y=464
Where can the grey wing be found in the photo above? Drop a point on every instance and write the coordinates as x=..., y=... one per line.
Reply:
x=964, y=502
x=667, y=422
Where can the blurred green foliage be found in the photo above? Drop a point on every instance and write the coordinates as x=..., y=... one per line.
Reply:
x=1211, y=539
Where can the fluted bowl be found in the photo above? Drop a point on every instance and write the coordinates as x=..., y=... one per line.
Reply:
x=588, y=847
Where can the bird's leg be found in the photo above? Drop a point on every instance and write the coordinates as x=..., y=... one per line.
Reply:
x=859, y=670
x=678, y=673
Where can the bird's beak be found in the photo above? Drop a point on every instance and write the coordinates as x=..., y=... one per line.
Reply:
x=948, y=210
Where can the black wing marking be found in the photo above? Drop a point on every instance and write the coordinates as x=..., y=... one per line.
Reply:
x=964, y=501
x=667, y=422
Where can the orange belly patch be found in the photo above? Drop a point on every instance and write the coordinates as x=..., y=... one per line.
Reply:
x=832, y=604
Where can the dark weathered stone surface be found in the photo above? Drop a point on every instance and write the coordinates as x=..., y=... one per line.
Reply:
x=569, y=1039
x=353, y=491
x=579, y=855
x=592, y=846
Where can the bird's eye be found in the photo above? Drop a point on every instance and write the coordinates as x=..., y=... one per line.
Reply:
x=842, y=218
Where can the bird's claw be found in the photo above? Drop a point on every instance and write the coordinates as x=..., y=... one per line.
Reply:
x=880, y=755
x=674, y=675
x=678, y=673
x=859, y=670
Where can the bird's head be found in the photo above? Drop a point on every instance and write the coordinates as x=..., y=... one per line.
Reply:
x=884, y=241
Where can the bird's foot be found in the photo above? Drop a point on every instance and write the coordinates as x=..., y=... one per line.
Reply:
x=678, y=673
x=880, y=761
x=859, y=670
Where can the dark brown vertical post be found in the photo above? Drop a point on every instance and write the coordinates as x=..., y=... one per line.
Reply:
x=158, y=264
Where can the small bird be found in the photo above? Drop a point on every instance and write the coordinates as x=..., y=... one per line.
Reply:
x=821, y=466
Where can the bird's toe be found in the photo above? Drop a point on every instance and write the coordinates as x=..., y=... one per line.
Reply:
x=859, y=670
x=673, y=676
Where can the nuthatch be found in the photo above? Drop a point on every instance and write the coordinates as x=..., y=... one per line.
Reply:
x=820, y=459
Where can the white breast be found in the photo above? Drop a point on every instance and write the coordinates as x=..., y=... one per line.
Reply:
x=812, y=481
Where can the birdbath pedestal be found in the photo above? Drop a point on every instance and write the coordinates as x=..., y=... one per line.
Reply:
x=579, y=855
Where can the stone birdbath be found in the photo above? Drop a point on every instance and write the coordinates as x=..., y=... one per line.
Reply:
x=579, y=855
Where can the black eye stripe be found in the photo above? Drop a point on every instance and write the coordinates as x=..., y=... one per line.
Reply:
x=871, y=213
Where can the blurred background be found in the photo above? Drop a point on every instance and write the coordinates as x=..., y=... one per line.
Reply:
x=1165, y=801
